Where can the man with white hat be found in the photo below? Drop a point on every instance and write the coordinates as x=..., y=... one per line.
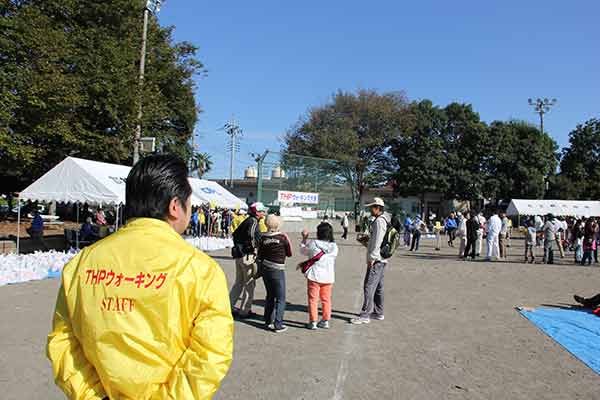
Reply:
x=245, y=240
x=373, y=286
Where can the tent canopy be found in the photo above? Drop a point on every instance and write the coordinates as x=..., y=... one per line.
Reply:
x=84, y=181
x=556, y=207
x=77, y=180
x=215, y=194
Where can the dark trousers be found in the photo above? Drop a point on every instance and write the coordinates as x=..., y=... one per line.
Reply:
x=415, y=240
x=345, y=234
x=451, y=236
x=373, y=291
x=592, y=302
x=274, y=280
x=470, y=247
x=587, y=257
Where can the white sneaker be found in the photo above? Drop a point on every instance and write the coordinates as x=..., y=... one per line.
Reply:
x=360, y=321
x=312, y=326
x=323, y=324
x=377, y=317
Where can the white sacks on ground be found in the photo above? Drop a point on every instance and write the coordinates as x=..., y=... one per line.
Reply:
x=209, y=243
x=29, y=267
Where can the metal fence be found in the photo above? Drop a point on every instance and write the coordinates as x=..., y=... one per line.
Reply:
x=280, y=171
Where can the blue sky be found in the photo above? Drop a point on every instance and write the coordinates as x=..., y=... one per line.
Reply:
x=269, y=61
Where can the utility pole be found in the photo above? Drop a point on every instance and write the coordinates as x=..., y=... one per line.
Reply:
x=541, y=107
x=259, y=158
x=234, y=132
x=152, y=6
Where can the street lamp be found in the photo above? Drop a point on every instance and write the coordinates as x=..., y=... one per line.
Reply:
x=541, y=107
x=152, y=6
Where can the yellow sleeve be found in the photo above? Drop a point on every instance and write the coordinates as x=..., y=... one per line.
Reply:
x=73, y=373
x=204, y=364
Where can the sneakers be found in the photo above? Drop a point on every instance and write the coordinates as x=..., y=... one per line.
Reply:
x=312, y=326
x=281, y=329
x=360, y=321
x=377, y=317
x=323, y=325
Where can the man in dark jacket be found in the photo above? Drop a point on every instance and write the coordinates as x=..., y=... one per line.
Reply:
x=472, y=230
x=245, y=241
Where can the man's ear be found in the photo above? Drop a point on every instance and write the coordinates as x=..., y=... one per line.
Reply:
x=174, y=206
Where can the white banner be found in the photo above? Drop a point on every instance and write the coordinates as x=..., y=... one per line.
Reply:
x=285, y=196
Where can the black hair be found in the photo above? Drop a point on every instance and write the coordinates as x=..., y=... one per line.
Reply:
x=151, y=185
x=325, y=232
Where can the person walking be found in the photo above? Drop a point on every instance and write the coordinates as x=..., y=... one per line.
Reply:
x=245, y=242
x=480, y=233
x=451, y=225
x=273, y=248
x=345, y=226
x=417, y=228
x=577, y=238
x=589, y=242
x=494, y=225
x=437, y=230
x=372, y=307
x=141, y=313
x=472, y=230
x=321, y=275
x=550, y=229
x=461, y=233
x=503, y=236
x=530, y=240
x=408, y=226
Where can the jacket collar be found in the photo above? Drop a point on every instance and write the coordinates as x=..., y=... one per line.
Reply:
x=151, y=223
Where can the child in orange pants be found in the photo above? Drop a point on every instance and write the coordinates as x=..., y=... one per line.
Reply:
x=321, y=275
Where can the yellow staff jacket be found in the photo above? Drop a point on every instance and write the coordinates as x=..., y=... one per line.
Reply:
x=141, y=315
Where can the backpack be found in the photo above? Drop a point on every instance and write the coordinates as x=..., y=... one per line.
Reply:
x=391, y=241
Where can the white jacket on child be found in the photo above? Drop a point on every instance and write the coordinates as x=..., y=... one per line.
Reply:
x=323, y=271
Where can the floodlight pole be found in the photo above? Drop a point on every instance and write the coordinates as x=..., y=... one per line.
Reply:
x=259, y=178
x=233, y=131
x=541, y=107
x=151, y=6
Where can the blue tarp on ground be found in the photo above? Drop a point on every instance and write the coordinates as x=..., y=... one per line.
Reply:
x=577, y=330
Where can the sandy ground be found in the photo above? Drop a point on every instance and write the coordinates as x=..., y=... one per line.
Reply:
x=450, y=333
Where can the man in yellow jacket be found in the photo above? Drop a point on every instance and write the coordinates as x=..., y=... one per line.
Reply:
x=141, y=314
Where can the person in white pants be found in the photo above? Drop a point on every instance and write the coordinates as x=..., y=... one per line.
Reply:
x=479, y=243
x=494, y=226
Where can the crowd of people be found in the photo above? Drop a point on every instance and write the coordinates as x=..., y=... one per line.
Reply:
x=172, y=304
x=546, y=237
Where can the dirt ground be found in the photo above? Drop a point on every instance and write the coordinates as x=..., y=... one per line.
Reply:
x=451, y=332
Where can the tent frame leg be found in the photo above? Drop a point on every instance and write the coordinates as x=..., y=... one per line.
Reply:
x=77, y=232
x=18, y=225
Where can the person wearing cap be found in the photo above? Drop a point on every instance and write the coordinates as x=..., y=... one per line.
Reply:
x=142, y=314
x=373, y=284
x=245, y=242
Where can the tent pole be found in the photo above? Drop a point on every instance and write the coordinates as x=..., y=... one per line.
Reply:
x=18, y=224
x=77, y=232
x=117, y=219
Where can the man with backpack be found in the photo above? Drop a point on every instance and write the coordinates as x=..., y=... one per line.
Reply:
x=245, y=242
x=373, y=285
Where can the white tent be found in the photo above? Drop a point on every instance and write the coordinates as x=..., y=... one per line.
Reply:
x=556, y=207
x=75, y=180
x=215, y=194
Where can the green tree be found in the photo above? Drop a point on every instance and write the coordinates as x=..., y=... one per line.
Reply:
x=418, y=157
x=466, y=142
x=68, y=85
x=579, y=176
x=355, y=129
x=521, y=159
x=202, y=164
